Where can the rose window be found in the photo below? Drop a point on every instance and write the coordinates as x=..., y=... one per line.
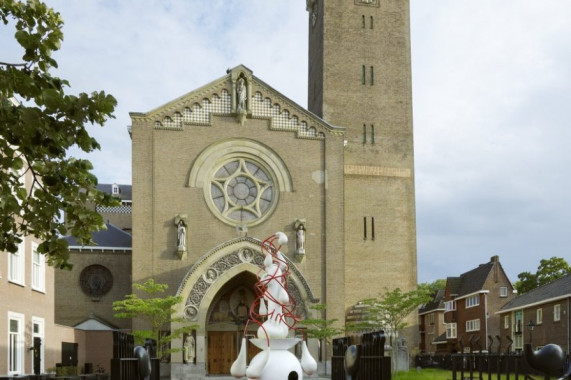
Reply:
x=242, y=191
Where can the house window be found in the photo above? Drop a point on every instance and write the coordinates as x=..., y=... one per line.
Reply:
x=507, y=322
x=17, y=260
x=539, y=315
x=115, y=189
x=15, y=343
x=556, y=313
x=38, y=269
x=449, y=305
x=472, y=301
x=503, y=291
x=473, y=325
x=451, y=331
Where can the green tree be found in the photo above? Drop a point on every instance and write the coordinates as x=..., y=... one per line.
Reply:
x=548, y=270
x=432, y=287
x=39, y=122
x=321, y=328
x=156, y=311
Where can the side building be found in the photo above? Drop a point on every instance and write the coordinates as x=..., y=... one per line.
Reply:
x=431, y=324
x=471, y=302
x=540, y=316
x=101, y=272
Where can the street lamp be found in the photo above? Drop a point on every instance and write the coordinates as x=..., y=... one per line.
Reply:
x=530, y=326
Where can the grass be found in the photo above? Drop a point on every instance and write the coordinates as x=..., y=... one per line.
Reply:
x=441, y=374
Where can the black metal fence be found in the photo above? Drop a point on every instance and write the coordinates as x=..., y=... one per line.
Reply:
x=124, y=365
x=371, y=362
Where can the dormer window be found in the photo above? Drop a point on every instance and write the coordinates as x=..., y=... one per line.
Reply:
x=115, y=189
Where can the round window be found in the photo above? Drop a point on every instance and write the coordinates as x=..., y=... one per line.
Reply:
x=241, y=191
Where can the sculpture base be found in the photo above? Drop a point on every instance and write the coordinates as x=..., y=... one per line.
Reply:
x=281, y=362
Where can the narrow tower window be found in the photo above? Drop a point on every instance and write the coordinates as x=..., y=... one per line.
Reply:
x=364, y=133
x=371, y=23
x=372, y=134
x=372, y=76
x=363, y=79
x=363, y=21
x=372, y=228
x=365, y=228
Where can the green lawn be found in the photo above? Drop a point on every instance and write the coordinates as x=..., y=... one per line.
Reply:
x=440, y=374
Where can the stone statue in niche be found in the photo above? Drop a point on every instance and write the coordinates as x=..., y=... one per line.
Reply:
x=189, y=349
x=180, y=222
x=300, y=239
x=181, y=236
x=300, y=231
x=241, y=100
x=241, y=95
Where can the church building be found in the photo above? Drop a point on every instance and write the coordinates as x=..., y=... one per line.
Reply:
x=221, y=168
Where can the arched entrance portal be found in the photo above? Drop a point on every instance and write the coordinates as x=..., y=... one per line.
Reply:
x=226, y=323
x=211, y=294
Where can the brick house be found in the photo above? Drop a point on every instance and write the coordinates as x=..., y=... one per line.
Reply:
x=471, y=302
x=546, y=309
x=431, y=324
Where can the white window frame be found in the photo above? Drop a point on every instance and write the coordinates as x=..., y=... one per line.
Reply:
x=503, y=291
x=16, y=353
x=451, y=331
x=556, y=313
x=17, y=264
x=539, y=316
x=449, y=306
x=507, y=322
x=40, y=322
x=473, y=325
x=473, y=301
x=38, y=269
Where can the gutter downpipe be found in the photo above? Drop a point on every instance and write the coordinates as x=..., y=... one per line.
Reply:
x=486, y=314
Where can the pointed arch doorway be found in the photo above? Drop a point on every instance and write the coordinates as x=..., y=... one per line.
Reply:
x=226, y=322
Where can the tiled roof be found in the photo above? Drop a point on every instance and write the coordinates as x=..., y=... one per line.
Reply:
x=113, y=237
x=125, y=191
x=436, y=303
x=560, y=288
x=471, y=281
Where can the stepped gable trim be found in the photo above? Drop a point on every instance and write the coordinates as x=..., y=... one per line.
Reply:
x=207, y=91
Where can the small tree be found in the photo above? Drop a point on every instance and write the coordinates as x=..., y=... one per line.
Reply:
x=389, y=312
x=321, y=328
x=157, y=312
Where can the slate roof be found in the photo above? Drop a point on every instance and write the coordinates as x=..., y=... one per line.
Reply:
x=113, y=237
x=471, y=281
x=125, y=191
x=436, y=303
x=560, y=288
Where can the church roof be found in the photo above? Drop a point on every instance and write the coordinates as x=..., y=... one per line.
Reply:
x=124, y=191
x=111, y=238
x=219, y=98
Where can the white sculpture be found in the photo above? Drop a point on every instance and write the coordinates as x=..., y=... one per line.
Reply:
x=275, y=362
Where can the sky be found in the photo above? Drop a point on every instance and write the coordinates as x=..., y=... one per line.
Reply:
x=491, y=95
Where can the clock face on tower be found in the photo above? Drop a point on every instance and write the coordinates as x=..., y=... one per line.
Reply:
x=241, y=191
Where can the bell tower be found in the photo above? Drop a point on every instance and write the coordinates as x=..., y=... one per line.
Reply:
x=360, y=78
